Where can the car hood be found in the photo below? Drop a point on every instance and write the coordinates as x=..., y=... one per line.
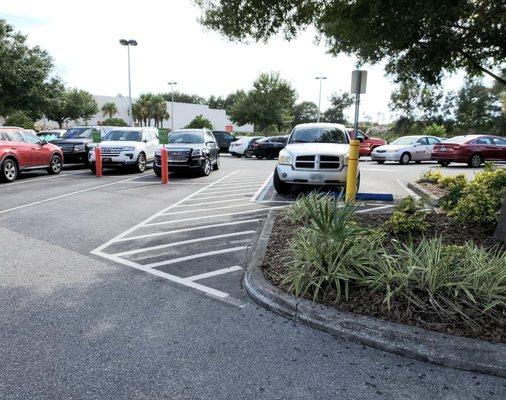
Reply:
x=113, y=143
x=72, y=141
x=183, y=146
x=300, y=149
x=395, y=147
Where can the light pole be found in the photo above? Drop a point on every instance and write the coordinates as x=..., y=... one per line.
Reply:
x=172, y=105
x=129, y=43
x=320, y=78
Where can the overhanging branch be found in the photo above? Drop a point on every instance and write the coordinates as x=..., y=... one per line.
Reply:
x=483, y=69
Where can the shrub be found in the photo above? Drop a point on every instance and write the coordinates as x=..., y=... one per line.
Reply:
x=114, y=122
x=300, y=211
x=408, y=217
x=19, y=119
x=199, y=122
x=435, y=130
x=431, y=176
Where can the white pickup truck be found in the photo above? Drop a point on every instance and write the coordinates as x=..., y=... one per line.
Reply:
x=316, y=154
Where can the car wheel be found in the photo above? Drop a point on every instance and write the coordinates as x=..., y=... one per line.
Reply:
x=205, y=168
x=248, y=154
x=141, y=163
x=380, y=161
x=260, y=157
x=475, y=161
x=280, y=186
x=216, y=165
x=157, y=171
x=9, y=170
x=93, y=168
x=444, y=163
x=55, y=165
x=405, y=158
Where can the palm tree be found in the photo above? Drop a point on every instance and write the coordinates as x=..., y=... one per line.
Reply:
x=109, y=109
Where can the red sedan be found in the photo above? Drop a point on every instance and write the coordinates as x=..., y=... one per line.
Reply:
x=367, y=143
x=473, y=150
x=21, y=150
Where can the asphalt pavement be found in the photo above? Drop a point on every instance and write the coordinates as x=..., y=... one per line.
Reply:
x=120, y=287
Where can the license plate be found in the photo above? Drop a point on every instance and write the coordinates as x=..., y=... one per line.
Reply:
x=106, y=159
x=316, y=178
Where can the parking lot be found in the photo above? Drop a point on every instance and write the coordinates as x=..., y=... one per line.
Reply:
x=141, y=282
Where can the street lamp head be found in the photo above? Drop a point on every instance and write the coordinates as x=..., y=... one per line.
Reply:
x=123, y=42
x=321, y=77
x=132, y=42
x=172, y=83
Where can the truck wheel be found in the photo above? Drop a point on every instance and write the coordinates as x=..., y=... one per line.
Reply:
x=216, y=165
x=157, y=171
x=280, y=186
x=205, y=168
x=93, y=168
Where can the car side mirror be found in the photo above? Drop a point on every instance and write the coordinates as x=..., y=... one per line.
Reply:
x=361, y=140
x=43, y=142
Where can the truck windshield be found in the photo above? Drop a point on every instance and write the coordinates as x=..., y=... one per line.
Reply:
x=186, y=137
x=78, y=133
x=318, y=135
x=123, y=136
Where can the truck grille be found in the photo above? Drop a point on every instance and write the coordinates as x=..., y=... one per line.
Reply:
x=179, y=155
x=111, y=151
x=67, y=148
x=317, y=162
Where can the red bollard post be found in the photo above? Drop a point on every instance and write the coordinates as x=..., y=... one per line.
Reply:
x=98, y=161
x=165, y=166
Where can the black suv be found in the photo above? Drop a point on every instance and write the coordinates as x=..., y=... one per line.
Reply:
x=190, y=149
x=76, y=142
x=224, y=139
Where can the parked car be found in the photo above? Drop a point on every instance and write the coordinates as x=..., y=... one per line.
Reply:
x=224, y=139
x=191, y=150
x=269, y=147
x=23, y=151
x=127, y=147
x=470, y=149
x=239, y=147
x=367, y=143
x=316, y=155
x=52, y=135
x=76, y=142
x=250, y=149
x=406, y=149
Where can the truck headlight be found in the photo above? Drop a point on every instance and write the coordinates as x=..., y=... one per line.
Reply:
x=158, y=152
x=128, y=148
x=196, y=152
x=285, y=158
x=345, y=159
x=79, y=147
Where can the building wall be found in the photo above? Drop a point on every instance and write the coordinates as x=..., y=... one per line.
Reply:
x=183, y=114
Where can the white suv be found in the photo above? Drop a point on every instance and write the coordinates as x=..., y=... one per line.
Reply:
x=127, y=147
x=316, y=154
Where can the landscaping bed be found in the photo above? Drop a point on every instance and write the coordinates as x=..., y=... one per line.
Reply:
x=290, y=264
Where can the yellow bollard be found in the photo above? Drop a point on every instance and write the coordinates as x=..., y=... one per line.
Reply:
x=351, y=178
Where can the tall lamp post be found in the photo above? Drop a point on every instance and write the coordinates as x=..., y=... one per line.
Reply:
x=129, y=43
x=172, y=105
x=320, y=78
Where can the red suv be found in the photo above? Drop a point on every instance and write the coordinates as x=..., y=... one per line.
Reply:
x=470, y=149
x=367, y=143
x=23, y=151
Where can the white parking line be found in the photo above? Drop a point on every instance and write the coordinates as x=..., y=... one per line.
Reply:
x=66, y=195
x=225, y=190
x=206, y=203
x=196, y=228
x=37, y=179
x=213, y=216
x=209, y=209
x=262, y=188
x=182, y=242
x=194, y=256
x=213, y=273
x=225, y=195
x=375, y=208
x=405, y=187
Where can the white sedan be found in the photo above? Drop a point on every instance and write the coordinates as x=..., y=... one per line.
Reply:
x=406, y=149
x=238, y=148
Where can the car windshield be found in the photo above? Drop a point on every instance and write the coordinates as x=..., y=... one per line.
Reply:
x=405, y=141
x=457, y=139
x=121, y=135
x=186, y=137
x=78, y=133
x=318, y=135
x=49, y=135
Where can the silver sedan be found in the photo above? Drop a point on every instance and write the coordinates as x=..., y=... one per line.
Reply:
x=406, y=149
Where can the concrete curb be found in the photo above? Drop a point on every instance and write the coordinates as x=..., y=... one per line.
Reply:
x=424, y=194
x=448, y=350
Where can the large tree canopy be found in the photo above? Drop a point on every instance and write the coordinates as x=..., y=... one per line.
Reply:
x=65, y=105
x=422, y=38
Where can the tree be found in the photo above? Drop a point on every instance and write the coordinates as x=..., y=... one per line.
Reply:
x=225, y=103
x=150, y=107
x=270, y=102
x=200, y=122
x=20, y=119
x=24, y=73
x=422, y=38
x=114, y=122
x=70, y=104
x=478, y=109
x=184, y=98
x=339, y=102
x=109, y=109
x=307, y=111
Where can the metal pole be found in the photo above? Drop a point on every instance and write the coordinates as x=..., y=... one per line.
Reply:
x=129, y=90
x=172, y=108
x=357, y=101
x=320, y=100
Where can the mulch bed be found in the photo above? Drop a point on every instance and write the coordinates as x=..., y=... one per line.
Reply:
x=436, y=190
x=364, y=302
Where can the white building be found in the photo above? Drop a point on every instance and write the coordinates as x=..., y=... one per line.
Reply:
x=183, y=114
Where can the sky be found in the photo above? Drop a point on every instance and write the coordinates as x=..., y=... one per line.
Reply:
x=83, y=39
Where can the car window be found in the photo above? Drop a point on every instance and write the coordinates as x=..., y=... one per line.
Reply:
x=422, y=141
x=31, y=138
x=482, y=140
x=499, y=141
x=218, y=135
x=360, y=135
x=123, y=135
x=13, y=136
x=318, y=135
x=433, y=140
x=228, y=136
